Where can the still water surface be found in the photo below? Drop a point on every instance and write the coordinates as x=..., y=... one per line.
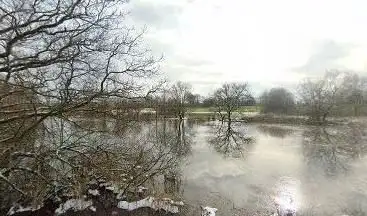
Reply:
x=241, y=168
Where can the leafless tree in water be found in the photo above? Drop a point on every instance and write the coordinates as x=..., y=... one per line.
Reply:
x=178, y=97
x=353, y=94
x=320, y=96
x=228, y=98
x=61, y=61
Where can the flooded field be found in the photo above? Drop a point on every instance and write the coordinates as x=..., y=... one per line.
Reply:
x=238, y=168
x=254, y=168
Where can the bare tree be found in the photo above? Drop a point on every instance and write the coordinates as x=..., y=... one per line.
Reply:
x=354, y=91
x=179, y=93
x=228, y=98
x=59, y=60
x=208, y=102
x=67, y=55
x=320, y=97
x=193, y=99
x=263, y=97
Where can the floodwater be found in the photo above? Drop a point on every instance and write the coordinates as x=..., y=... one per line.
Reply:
x=257, y=169
x=253, y=168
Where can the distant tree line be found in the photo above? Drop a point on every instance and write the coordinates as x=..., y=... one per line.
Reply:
x=177, y=98
x=277, y=100
x=337, y=93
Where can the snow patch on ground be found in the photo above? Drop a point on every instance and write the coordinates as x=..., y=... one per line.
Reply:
x=150, y=202
x=19, y=208
x=111, y=188
x=92, y=208
x=141, y=189
x=208, y=211
x=94, y=192
x=74, y=204
x=104, y=184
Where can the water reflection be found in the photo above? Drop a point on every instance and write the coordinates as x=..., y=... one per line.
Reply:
x=333, y=148
x=73, y=152
x=287, y=198
x=177, y=136
x=231, y=141
x=146, y=149
x=275, y=131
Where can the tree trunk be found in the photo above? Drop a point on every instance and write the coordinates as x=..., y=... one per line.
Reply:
x=229, y=116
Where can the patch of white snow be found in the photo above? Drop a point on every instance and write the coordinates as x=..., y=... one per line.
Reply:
x=141, y=189
x=208, y=211
x=94, y=192
x=75, y=204
x=150, y=202
x=92, y=208
x=19, y=208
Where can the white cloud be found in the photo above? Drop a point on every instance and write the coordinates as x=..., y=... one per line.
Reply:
x=208, y=42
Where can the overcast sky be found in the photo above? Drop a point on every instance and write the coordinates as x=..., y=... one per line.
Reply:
x=267, y=43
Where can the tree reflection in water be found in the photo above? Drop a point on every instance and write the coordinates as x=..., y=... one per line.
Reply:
x=334, y=148
x=230, y=141
x=76, y=153
x=176, y=136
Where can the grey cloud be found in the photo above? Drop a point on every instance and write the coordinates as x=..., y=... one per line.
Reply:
x=159, y=47
x=190, y=62
x=157, y=15
x=206, y=82
x=326, y=56
x=257, y=88
x=205, y=88
x=203, y=81
x=179, y=71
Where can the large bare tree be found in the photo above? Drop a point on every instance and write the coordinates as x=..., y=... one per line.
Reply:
x=354, y=92
x=228, y=98
x=67, y=54
x=320, y=96
x=60, y=60
x=179, y=93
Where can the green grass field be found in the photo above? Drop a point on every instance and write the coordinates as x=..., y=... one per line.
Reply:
x=256, y=108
